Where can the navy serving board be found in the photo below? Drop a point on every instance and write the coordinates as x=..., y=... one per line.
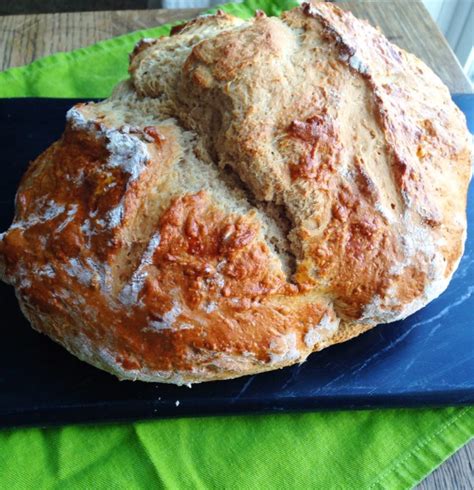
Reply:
x=425, y=360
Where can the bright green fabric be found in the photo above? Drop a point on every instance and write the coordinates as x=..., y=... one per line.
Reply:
x=383, y=449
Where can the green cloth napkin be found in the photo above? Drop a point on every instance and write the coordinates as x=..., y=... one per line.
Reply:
x=349, y=450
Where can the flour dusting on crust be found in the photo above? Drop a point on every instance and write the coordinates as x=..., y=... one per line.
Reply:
x=256, y=191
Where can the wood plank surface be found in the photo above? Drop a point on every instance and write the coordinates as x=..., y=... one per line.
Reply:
x=24, y=38
x=408, y=24
x=457, y=473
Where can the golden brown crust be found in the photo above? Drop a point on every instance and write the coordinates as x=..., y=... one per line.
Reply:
x=340, y=202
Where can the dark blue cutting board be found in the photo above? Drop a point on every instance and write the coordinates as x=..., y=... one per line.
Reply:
x=427, y=359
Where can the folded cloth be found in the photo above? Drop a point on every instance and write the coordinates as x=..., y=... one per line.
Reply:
x=350, y=450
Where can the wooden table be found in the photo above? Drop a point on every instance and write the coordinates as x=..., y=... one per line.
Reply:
x=24, y=38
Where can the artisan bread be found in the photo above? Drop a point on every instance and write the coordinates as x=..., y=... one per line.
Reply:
x=256, y=191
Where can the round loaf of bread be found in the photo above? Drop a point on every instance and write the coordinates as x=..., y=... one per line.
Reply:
x=255, y=192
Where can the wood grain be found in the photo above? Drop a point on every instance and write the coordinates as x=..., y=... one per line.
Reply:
x=24, y=38
x=9, y=7
x=457, y=473
x=408, y=24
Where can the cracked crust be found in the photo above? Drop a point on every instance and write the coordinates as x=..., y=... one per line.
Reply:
x=256, y=192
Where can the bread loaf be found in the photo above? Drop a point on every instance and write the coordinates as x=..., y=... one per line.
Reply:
x=255, y=192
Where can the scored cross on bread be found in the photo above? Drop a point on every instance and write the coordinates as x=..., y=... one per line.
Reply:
x=256, y=191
